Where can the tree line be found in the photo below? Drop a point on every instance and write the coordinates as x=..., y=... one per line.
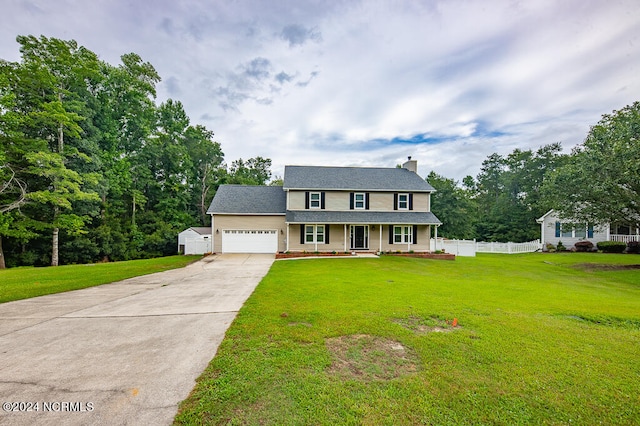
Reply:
x=91, y=167
x=597, y=183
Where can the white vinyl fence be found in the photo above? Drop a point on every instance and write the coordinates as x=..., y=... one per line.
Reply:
x=457, y=247
x=471, y=247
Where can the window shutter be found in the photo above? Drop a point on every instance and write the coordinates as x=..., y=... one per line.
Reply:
x=410, y=201
x=366, y=197
x=351, y=202
x=415, y=234
x=590, y=231
x=390, y=234
x=326, y=234
x=395, y=201
x=322, y=200
x=306, y=200
x=557, y=229
x=302, y=234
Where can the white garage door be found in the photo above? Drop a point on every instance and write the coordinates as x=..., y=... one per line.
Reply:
x=249, y=241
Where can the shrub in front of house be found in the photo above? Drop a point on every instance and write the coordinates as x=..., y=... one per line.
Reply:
x=612, y=246
x=633, y=247
x=583, y=246
x=561, y=247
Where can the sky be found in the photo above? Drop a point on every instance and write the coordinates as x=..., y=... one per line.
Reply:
x=366, y=83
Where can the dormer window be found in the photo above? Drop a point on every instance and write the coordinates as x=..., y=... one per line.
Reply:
x=314, y=200
x=403, y=201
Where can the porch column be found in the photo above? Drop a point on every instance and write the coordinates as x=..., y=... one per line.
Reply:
x=436, y=239
x=345, y=237
x=315, y=237
x=287, y=237
x=380, y=250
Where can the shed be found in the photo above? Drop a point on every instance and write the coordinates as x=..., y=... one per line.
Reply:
x=195, y=240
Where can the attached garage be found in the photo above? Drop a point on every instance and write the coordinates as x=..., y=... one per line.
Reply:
x=248, y=219
x=249, y=241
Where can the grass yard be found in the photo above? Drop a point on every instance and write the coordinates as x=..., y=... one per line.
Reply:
x=541, y=339
x=25, y=282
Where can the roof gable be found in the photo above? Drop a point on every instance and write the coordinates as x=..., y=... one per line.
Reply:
x=353, y=178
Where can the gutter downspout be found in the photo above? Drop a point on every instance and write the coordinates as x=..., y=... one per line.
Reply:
x=213, y=241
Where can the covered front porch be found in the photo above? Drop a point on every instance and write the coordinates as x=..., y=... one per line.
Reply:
x=624, y=233
x=349, y=232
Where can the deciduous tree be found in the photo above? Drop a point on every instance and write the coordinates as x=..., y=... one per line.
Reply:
x=601, y=182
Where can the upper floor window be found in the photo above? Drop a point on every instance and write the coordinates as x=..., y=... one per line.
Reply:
x=314, y=200
x=403, y=201
x=359, y=200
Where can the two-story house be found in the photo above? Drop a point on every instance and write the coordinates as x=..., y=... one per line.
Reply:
x=327, y=209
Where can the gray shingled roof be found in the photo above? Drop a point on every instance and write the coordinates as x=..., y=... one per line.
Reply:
x=364, y=217
x=246, y=199
x=353, y=178
x=201, y=230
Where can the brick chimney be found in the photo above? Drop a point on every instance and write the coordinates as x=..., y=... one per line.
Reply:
x=411, y=165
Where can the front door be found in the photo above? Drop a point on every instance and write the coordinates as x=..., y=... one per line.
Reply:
x=359, y=237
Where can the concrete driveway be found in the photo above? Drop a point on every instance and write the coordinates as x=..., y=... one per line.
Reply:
x=121, y=353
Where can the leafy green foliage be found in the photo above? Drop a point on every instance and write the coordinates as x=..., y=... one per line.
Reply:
x=454, y=206
x=503, y=202
x=88, y=158
x=254, y=171
x=601, y=182
x=612, y=246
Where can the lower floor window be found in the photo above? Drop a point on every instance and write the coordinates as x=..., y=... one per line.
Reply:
x=403, y=234
x=314, y=233
x=567, y=230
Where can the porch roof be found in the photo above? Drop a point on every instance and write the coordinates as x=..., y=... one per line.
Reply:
x=362, y=217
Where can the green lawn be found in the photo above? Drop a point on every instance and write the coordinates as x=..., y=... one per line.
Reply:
x=26, y=282
x=541, y=339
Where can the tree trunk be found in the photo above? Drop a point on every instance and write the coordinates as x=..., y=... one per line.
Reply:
x=203, y=194
x=2, y=264
x=133, y=210
x=60, y=131
x=54, y=251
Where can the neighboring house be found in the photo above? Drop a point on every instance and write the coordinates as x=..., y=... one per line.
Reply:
x=327, y=209
x=553, y=230
x=195, y=240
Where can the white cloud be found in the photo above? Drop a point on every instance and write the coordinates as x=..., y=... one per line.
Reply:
x=337, y=83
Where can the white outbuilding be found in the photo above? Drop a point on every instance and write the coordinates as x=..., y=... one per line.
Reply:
x=195, y=240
